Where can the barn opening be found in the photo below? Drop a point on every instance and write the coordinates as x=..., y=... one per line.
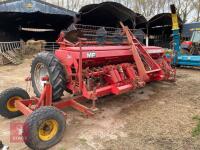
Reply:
x=159, y=30
x=32, y=19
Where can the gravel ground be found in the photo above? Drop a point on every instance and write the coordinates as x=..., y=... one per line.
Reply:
x=156, y=117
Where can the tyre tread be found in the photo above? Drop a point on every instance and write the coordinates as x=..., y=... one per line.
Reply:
x=57, y=75
x=29, y=129
x=14, y=91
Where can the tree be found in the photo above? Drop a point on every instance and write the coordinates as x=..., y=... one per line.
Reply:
x=184, y=8
x=196, y=5
x=149, y=8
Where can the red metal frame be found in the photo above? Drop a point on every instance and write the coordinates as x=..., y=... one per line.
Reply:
x=28, y=106
x=132, y=67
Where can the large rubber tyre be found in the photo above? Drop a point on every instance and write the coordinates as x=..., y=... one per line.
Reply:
x=55, y=72
x=35, y=122
x=7, y=98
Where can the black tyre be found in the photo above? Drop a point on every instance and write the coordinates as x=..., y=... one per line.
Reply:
x=44, y=128
x=7, y=101
x=45, y=63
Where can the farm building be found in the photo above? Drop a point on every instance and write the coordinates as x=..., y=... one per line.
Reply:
x=160, y=30
x=26, y=19
x=187, y=29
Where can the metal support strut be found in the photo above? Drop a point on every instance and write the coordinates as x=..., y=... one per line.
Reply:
x=28, y=106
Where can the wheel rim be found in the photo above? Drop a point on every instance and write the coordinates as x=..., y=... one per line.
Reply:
x=11, y=103
x=40, y=72
x=48, y=129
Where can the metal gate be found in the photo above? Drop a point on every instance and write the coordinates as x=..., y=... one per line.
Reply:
x=12, y=51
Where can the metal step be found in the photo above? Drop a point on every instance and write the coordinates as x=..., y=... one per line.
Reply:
x=151, y=71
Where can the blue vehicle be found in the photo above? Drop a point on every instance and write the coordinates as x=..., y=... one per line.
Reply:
x=187, y=53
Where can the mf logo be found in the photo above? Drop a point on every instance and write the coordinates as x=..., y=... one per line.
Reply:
x=91, y=55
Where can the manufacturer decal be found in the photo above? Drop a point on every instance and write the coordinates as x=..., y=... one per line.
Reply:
x=91, y=55
x=69, y=56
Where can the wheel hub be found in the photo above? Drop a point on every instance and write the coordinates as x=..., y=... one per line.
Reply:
x=48, y=129
x=40, y=72
x=11, y=103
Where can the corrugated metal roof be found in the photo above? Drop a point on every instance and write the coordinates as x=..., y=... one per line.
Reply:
x=30, y=6
x=110, y=14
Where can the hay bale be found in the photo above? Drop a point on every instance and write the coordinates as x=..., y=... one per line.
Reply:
x=33, y=46
x=22, y=49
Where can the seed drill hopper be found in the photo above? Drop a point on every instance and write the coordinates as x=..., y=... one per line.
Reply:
x=91, y=62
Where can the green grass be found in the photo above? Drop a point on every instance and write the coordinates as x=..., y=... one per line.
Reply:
x=196, y=130
x=82, y=140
